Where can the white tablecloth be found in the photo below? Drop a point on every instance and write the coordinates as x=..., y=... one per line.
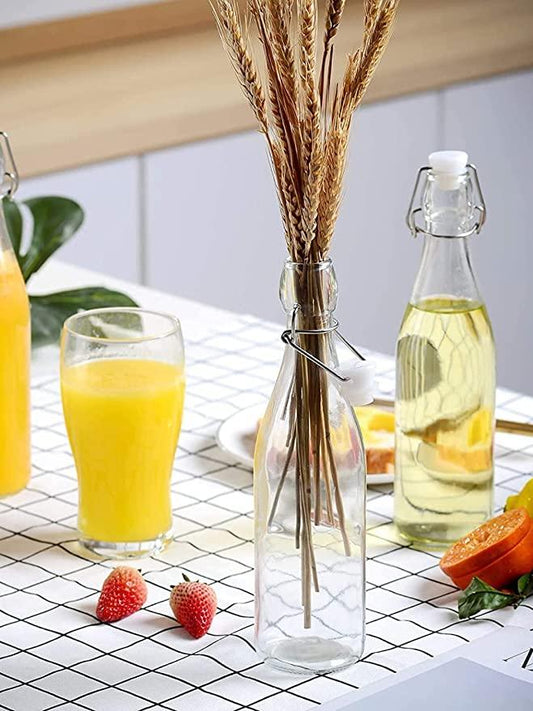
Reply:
x=54, y=654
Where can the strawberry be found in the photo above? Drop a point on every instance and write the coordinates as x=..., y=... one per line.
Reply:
x=123, y=593
x=194, y=605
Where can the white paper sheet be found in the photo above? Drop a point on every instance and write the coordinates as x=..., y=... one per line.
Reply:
x=494, y=673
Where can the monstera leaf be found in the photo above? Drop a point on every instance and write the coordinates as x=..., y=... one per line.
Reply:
x=54, y=221
x=49, y=311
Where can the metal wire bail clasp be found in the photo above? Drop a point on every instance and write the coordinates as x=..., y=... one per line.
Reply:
x=355, y=378
x=413, y=211
x=10, y=174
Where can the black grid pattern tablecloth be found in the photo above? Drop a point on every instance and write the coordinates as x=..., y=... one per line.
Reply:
x=54, y=654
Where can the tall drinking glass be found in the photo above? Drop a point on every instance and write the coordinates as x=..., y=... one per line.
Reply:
x=123, y=385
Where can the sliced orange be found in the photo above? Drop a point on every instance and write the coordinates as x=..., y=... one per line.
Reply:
x=486, y=543
x=507, y=568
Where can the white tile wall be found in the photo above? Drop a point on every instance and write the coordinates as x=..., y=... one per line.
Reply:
x=493, y=121
x=213, y=227
x=109, y=239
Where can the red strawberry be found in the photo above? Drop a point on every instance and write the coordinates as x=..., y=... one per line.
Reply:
x=194, y=605
x=123, y=593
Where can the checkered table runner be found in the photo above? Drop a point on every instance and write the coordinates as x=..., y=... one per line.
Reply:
x=54, y=654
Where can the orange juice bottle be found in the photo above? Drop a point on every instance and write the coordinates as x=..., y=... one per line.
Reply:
x=14, y=355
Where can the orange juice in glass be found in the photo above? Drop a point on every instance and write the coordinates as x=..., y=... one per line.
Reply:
x=123, y=385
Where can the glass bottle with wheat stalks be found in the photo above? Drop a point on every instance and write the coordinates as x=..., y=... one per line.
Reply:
x=309, y=463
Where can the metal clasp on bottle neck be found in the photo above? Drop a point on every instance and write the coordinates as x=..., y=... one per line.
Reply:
x=355, y=379
x=10, y=176
x=412, y=211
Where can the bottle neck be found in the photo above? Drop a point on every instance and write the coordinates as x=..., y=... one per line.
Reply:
x=5, y=242
x=308, y=293
x=445, y=270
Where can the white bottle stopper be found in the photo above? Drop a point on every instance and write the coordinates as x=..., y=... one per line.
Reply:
x=447, y=167
x=358, y=389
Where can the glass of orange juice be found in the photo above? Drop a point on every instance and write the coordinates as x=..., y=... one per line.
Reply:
x=123, y=386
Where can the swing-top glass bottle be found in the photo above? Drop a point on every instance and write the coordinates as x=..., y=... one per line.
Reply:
x=14, y=346
x=310, y=485
x=445, y=387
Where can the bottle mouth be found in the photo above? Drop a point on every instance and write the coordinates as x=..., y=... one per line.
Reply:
x=448, y=168
x=300, y=279
x=309, y=266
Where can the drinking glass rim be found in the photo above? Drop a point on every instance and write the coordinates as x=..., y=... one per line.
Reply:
x=174, y=321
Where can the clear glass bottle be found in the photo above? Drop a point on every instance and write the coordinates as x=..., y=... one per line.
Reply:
x=15, y=348
x=309, y=450
x=445, y=367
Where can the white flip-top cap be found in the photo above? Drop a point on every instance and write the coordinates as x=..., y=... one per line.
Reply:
x=359, y=388
x=447, y=166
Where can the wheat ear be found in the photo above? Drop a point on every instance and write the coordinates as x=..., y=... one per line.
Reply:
x=229, y=26
x=311, y=139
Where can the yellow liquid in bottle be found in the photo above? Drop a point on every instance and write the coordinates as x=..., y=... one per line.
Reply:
x=444, y=419
x=14, y=377
x=123, y=419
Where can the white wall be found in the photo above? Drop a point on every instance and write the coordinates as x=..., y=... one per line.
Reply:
x=110, y=238
x=494, y=122
x=212, y=219
x=375, y=258
x=205, y=216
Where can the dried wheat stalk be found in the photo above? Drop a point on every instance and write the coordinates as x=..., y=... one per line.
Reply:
x=306, y=120
x=333, y=19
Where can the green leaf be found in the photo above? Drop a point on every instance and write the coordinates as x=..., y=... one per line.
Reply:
x=49, y=311
x=480, y=596
x=14, y=224
x=55, y=220
x=524, y=585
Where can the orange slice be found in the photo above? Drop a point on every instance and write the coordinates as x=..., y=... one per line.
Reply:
x=486, y=544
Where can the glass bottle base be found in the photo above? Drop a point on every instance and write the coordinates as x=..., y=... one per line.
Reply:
x=128, y=549
x=434, y=535
x=310, y=655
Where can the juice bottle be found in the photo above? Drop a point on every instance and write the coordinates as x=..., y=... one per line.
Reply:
x=15, y=348
x=445, y=368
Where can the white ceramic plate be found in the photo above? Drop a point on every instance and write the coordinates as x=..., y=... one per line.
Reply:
x=236, y=436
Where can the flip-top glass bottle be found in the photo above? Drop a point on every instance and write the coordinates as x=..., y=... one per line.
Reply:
x=310, y=486
x=445, y=366
x=14, y=349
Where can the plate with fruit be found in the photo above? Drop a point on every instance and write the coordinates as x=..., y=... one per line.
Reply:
x=236, y=436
